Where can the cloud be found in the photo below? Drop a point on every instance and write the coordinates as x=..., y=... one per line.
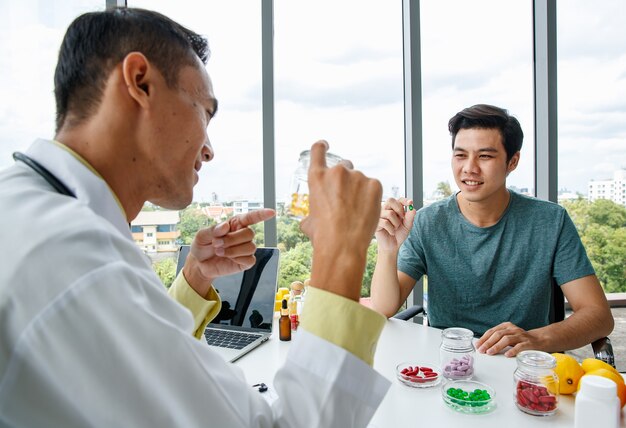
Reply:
x=373, y=92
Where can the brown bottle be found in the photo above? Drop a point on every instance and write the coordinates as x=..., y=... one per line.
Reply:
x=284, y=323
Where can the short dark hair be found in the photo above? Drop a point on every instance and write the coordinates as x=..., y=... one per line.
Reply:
x=97, y=41
x=489, y=117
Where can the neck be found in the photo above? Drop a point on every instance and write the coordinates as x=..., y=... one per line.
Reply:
x=112, y=157
x=484, y=213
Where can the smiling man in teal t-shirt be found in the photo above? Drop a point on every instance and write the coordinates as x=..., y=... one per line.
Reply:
x=490, y=254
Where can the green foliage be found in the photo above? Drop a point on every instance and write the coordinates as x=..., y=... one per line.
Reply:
x=443, y=189
x=259, y=234
x=295, y=264
x=192, y=220
x=289, y=233
x=366, y=285
x=602, y=229
x=166, y=270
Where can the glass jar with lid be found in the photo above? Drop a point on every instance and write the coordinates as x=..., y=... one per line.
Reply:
x=298, y=206
x=457, y=353
x=536, y=383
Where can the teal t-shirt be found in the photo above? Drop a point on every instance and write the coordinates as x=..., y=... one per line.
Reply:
x=481, y=277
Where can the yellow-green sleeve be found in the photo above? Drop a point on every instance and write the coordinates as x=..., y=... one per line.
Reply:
x=333, y=317
x=202, y=309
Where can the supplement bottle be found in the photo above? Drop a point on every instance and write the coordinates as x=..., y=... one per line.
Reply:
x=597, y=404
x=299, y=198
x=536, y=383
x=457, y=353
x=284, y=323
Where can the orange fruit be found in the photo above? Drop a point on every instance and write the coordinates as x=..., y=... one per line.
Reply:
x=590, y=364
x=569, y=372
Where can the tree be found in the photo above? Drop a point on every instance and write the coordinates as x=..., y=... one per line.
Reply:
x=166, y=270
x=192, y=220
x=443, y=189
x=602, y=228
x=372, y=253
x=295, y=264
x=289, y=233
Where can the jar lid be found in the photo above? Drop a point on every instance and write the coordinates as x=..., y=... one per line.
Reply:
x=297, y=285
x=538, y=359
x=457, y=333
x=331, y=158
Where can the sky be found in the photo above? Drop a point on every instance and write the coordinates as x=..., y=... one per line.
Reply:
x=338, y=76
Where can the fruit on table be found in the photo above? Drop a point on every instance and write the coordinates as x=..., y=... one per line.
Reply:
x=594, y=367
x=590, y=364
x=569, y=372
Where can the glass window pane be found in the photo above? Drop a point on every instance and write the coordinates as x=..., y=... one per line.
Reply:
x=32, y=32
x=478, y=52
x=591, y=141
x=338, y=77
x=232, y=182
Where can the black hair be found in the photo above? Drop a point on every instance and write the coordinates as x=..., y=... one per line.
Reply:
x=489, y=117
x=96, y=42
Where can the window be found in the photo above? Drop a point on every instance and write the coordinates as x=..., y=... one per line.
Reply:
x=592, y=118
x=474, y=53
x=31, y=36
x=338, y=76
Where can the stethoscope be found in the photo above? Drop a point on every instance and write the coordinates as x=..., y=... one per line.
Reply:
x=44, y=173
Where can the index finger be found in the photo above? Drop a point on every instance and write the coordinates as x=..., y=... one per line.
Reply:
x=244, y=220
x=318, y=154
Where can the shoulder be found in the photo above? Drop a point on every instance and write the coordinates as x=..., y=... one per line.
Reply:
x=529, y=205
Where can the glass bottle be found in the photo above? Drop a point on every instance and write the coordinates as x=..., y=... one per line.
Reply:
x=299, y=196
x=536, y=383
x=295, y=303
x=284, y=324
x=457, y=353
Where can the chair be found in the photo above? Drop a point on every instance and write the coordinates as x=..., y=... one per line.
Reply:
x=602, y=348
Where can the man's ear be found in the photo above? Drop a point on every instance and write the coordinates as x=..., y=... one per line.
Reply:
x=513, y=162
x=137, y=72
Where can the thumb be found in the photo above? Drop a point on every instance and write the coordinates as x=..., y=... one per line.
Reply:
x=408, y=219
x=206, y=236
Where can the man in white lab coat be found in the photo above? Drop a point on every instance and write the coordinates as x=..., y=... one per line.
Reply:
x=88, y=334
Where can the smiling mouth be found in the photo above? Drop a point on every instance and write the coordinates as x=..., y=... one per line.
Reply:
x=472, y=182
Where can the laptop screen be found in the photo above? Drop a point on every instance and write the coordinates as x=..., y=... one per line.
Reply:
x=247, y=297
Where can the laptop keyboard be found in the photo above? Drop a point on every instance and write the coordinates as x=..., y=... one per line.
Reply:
x=229, y=339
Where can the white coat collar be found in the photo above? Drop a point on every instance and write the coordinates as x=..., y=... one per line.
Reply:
x=88, y=187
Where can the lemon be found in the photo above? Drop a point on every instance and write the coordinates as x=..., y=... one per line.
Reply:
x=590, y=364
x=569, y=372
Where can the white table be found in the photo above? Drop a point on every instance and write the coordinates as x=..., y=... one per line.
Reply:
x=404, y=406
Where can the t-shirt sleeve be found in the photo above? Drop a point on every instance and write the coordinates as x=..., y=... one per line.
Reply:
x=570, y=260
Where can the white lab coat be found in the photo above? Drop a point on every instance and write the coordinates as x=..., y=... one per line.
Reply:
x=89, y=337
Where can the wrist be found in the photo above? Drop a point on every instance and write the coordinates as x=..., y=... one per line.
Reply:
x=195, y=279
x=340, y=273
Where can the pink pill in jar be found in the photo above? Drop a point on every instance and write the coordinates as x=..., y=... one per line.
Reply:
x=457, y=353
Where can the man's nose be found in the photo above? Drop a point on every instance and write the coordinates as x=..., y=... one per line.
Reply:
x=207, y=151
x=470, y=164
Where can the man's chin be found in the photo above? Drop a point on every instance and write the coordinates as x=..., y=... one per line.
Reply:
x=179, y=202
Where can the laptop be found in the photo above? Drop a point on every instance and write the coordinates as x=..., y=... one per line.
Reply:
x=245, y=320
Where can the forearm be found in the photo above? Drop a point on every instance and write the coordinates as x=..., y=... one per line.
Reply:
x=385, y=291
x=581, y=328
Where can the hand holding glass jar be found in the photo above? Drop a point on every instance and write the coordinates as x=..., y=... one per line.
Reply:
x=298, y=206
